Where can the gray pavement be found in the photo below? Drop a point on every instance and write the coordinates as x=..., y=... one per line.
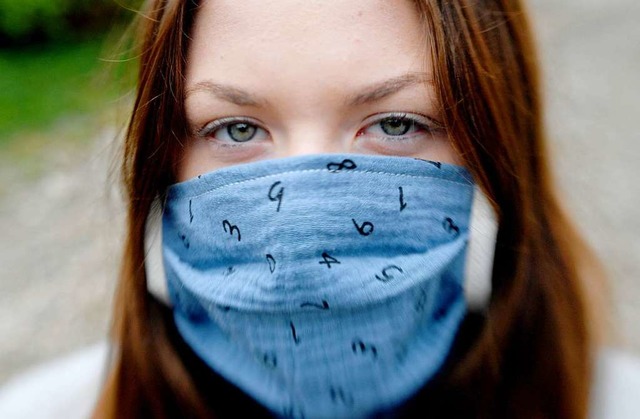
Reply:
x=591, y=58
x=60, y=233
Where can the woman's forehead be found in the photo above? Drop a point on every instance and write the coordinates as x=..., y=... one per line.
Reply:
x=296, y=43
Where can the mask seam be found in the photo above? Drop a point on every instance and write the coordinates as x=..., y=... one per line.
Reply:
x=470, y=184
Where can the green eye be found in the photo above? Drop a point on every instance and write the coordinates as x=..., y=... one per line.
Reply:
x=396, y=126
x=241, y=132
x=233, y=131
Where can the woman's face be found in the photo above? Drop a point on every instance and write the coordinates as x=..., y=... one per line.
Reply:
x=278, y=78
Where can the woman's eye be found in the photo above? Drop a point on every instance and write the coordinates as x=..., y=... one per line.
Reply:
x=241, y=132
x=232, y=131
x=401, y=126
x=396, y=126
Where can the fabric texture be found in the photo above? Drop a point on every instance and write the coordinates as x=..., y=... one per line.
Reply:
x=323, y=286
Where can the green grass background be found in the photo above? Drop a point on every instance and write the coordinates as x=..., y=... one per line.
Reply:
x=55, y=99
x=39, y=85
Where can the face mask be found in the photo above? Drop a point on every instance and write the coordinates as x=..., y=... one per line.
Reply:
x=326, y=285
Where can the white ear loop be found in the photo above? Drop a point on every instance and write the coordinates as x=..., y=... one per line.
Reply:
x=154, y=264
x=483, y=229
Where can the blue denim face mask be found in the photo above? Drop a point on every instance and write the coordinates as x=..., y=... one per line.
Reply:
x=323, y=286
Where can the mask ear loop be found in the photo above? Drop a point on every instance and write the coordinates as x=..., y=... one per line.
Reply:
x=154, y=262
x=483, y=231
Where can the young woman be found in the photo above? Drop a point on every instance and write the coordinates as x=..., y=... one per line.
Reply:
x=315, y=165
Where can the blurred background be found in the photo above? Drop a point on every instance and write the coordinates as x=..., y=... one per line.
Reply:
x=63, y=105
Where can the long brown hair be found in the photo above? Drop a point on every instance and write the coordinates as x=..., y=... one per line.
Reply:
x=530, y=356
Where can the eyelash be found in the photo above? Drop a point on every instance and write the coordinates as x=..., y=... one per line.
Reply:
x=422, y=122
x=213, y=126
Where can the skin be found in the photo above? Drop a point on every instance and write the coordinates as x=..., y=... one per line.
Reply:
x=294, y=77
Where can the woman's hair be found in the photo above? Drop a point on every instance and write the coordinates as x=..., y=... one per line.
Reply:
x=528, y=357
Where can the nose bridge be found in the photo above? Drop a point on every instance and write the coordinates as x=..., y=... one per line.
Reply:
x=315, y=138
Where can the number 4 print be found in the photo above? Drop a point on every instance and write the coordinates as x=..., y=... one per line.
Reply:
x=328, y=260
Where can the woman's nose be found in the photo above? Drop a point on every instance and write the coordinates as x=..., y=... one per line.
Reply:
x=312, y=144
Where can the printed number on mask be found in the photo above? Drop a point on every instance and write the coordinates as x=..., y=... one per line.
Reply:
x=231, y=229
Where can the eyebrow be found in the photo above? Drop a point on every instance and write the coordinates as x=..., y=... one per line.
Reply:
x=227, y=93
x=387, y=87
x=371, y=93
